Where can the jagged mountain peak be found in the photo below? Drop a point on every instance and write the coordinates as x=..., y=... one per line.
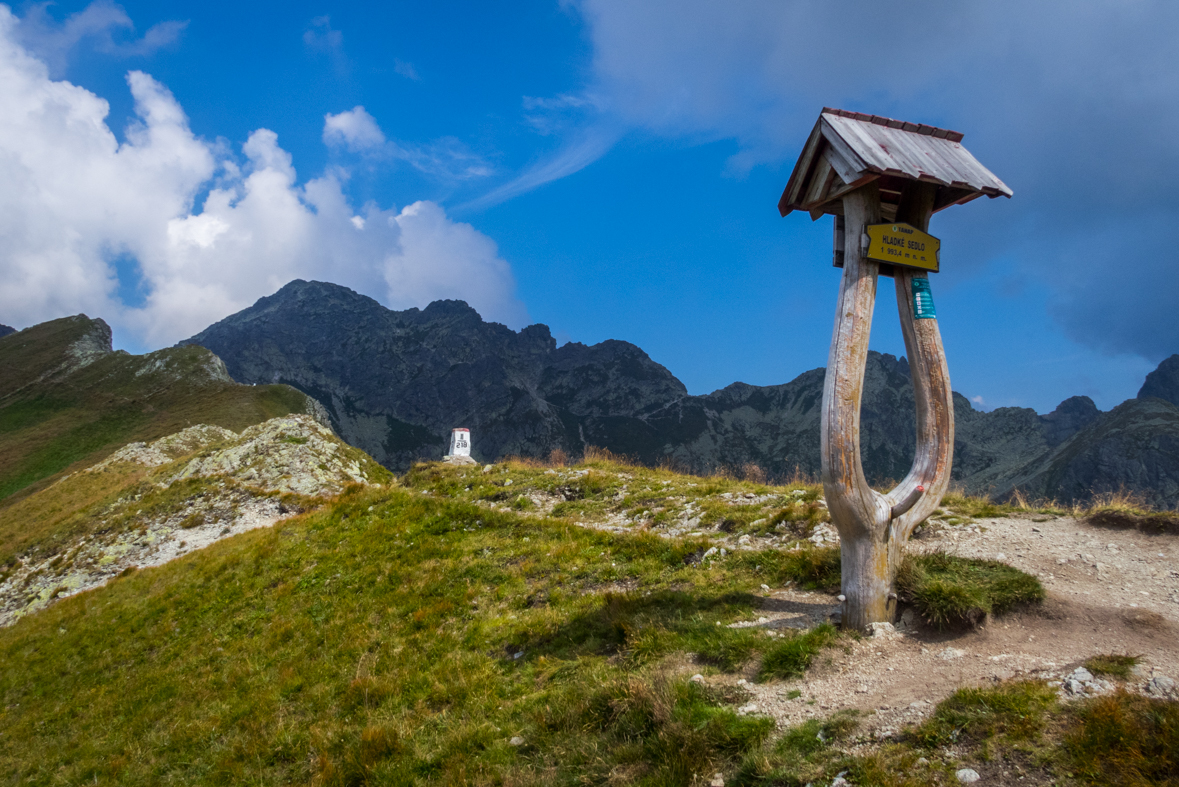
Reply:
x=397, y=382
x=450, y=309
x=1163, y=382
x=1070, y=416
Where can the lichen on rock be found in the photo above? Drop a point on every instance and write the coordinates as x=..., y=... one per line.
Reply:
x=167, y=449
x=294, y=453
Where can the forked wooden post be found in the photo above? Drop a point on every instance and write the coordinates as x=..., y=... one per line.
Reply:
x=869, y=170
x=873, y=527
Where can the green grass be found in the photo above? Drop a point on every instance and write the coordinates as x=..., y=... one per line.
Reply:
x=793, y=657
x=1123, y=740
x=376, y=640
x=818, y=751
x=1112, y=665
x=973, y=507
x=811, y=568
x=1019, y=727
x=410, y=634
x=118, y=499
x=603, y=487
x=948, y=592
x=954, y=592
x=985, y=718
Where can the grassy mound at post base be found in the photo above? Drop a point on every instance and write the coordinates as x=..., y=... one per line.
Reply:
x=954, y=592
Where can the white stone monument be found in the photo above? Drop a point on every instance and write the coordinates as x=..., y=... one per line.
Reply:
x=460, y=447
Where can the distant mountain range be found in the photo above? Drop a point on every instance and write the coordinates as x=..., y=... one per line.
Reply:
x=395, y=383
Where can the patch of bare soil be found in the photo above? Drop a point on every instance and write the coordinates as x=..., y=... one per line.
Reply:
x=1109, y=591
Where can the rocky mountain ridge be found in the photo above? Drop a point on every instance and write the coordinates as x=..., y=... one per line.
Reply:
x=395, y=383
x=67, y=398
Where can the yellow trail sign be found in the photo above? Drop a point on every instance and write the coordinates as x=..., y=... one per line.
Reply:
x=903, y=244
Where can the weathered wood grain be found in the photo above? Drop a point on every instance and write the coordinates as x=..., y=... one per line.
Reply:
x=931, y=381
x=872, y=540
x=846, y=171
x=820, y=182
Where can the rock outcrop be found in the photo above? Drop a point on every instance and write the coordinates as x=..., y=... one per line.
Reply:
x=228, y=483
x=395, y=383
x=1163, y=382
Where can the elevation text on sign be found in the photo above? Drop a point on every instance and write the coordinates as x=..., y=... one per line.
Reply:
x=903, y=244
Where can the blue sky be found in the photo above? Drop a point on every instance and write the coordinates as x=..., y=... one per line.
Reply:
x=611, y=169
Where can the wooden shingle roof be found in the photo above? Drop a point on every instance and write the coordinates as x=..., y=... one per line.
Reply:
x=849, y=149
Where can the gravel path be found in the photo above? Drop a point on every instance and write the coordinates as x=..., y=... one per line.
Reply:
x=1109, y=591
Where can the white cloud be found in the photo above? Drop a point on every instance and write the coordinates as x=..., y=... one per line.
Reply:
x=583, y=149
x=74, y=200
x=1073, y=105
x=434, y=250
x=757, y=71
x=103, y=23
x=406, y=70
x=321, y=37
x=445, y=159
x=561, y=102
x=355, y=129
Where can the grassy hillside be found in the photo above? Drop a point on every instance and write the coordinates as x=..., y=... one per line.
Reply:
x=66, y=400
x=456, y=627
x=391, y=636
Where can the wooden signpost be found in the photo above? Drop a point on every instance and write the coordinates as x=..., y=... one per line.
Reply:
x=883, y=179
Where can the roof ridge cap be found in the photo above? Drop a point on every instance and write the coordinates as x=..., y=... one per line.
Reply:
x=903, y=125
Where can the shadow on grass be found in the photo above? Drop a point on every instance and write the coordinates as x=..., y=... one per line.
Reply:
x=646, y=626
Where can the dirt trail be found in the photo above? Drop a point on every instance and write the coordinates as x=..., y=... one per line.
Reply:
x=1109, y=591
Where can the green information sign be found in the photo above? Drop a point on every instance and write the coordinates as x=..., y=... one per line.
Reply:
x=923, y=300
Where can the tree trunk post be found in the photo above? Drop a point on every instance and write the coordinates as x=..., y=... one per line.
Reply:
x=873, y=527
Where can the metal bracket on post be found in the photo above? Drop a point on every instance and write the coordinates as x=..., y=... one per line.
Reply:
x=838, y=243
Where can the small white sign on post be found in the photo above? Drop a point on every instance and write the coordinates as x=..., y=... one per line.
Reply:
x=460, y=442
